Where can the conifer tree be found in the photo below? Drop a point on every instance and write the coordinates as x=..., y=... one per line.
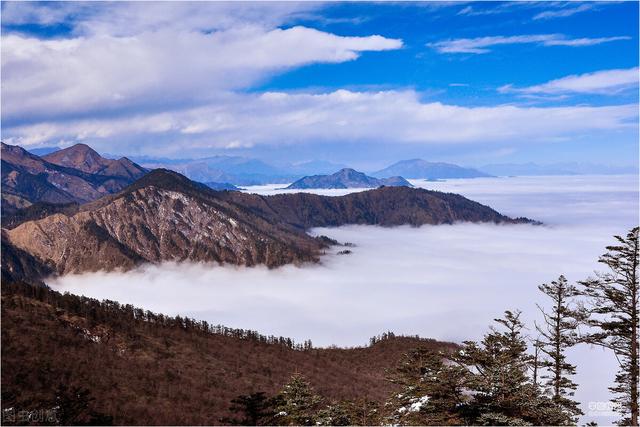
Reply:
x=431, y=390
x=503, y=393
x=613, y=306
x=364, y=411
x=558, y=333
x=335, y=414
x=255, y=409
x=297, y=403
x=536, y=361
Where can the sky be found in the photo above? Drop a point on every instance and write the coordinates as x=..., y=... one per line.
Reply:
x=360, y=83
x=446, y=282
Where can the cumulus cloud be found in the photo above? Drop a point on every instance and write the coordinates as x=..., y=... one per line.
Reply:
x=481, y=45
x=607, y=82
x=288, y=118
x=445, y=282
x=160, y=69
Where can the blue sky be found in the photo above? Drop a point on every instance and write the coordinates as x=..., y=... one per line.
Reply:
x=358, y=83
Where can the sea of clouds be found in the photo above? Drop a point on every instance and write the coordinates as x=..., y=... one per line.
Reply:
x=446, y=282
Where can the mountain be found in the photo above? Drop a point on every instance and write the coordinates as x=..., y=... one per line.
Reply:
x=568, y=168
x=38, y=210
x=28, y=179
x=230, y=169
x=86, y=159
x=240, y=170
x=421, y=169
x=385, y=206
x=347, y=178
x=313, y=167
x=221, y=186
x=41, y=151
x=20, y=188
x=166, y=217
x=162, y=216
x=19, y=266
x=142, y=368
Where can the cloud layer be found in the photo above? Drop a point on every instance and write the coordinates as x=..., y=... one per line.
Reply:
x=278, y=118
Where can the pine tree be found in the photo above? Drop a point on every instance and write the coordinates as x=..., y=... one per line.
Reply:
x=335, y=414
x=255, y=409
x=613, y=297
x=431, y=390
x=297, y=403
x=364, y=412
x=503, y=393
x=536, y=361
x=558, y=333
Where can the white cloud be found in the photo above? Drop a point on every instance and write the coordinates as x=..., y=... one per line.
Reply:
x=277, y=118
x=130, y=18
x=481, y=45
x=493, y=10
x=160, y=69
x=563, y=13
x=609, y=82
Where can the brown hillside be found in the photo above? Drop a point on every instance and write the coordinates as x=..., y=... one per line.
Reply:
x=143, y=368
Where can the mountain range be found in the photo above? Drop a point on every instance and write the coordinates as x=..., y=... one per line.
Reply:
x=104, y=222
x=246, y=171
x=224, y=169
x=76, y=174
x=166, y=217
x=421, y=169
x=347, y=178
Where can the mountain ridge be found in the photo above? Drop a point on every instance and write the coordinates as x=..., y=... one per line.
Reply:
x=28, y=179
x=164, y=216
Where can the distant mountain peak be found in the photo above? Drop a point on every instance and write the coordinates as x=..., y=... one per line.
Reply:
x=347, y=178
x=77, y=153
x=422, y=169
x=86, y=159
x=349, y=172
